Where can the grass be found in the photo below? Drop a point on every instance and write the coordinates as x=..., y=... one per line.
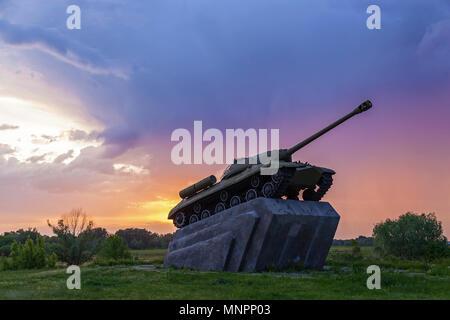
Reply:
x=344, y=278
x=152, y=256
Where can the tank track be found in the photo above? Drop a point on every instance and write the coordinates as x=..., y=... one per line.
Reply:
x=286, y=175
x=324, y=185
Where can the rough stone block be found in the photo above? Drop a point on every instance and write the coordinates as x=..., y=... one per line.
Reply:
x=256, y=235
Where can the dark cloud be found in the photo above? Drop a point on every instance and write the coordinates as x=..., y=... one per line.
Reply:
x=118, y=140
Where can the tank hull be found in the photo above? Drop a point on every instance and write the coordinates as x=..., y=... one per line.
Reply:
x=295, y=176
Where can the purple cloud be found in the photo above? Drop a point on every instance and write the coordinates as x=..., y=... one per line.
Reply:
x=63, y=48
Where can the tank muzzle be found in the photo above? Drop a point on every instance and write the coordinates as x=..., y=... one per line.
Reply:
x=366, y=105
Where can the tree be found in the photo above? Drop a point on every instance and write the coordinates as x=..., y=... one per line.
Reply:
x=76, y=243
x=114, y=248
x=138, y=238
x=411, y=236
x=100, y=233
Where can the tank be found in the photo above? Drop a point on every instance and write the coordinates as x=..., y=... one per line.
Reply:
x=243, y=181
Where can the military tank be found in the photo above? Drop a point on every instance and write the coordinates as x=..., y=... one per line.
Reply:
x=243, y=181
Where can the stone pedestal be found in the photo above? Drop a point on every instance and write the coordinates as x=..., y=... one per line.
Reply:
x=255, y=235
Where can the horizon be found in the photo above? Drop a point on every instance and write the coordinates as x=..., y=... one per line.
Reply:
x=86, y=115
x=113, y=232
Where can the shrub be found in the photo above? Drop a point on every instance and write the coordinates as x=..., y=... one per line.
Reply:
x=28, y=256
x=114, y=248
x=5, y=263
x=411, y=236
x=51, y=260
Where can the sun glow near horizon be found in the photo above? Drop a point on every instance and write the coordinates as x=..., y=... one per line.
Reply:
x=37, y=132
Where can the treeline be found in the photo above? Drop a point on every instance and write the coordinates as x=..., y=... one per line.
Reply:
x=140, y=239
x=75, y=242
x=361, y=241
x=412, y=236
x=134, y=238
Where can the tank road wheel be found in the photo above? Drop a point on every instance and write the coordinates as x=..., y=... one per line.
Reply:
x=223, y=196
x=268, y=189
x=251, y=194
x=180, y=220
x=278, y=177
x=254, y=181
x=193, y=219
x=197, y=207
x=309, y=195
x=206, y=214
x=235, y=201
x=220, y=207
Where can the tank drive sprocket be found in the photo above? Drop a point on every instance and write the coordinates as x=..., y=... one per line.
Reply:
x=324, y=185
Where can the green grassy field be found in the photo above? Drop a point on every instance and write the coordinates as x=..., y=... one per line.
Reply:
x=343, y=278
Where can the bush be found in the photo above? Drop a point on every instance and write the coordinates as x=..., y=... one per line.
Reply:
x=28, y=256
x=51, y=260
x=5, y=263
x=411, y=236
x=114, y=248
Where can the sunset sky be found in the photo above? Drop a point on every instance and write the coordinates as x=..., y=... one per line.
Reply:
x=86, y=115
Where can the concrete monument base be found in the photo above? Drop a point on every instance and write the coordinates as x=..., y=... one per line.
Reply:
x=256, y=235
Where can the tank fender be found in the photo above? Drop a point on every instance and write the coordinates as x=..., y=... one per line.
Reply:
x=326, y=170
x=309, y=177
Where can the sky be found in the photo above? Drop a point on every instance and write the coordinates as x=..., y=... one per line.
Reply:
x=86, y=115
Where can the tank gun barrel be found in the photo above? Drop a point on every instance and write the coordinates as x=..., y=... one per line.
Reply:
x=366, y=105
